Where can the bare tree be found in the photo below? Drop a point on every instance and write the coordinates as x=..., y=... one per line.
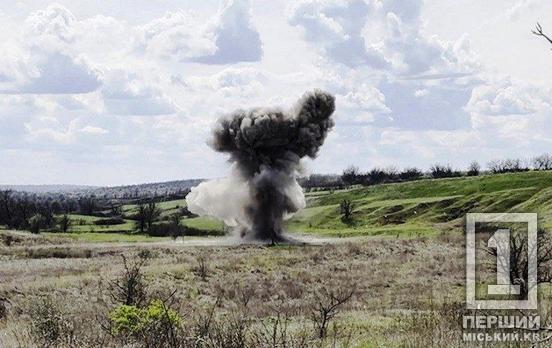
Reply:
x=539, y=32
x=543, y=162
x=327, y=302
x=351, y=175
x=510, y=165
x=519, y=261
x=473, y=169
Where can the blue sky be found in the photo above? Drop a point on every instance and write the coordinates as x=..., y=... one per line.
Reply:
x=127, y=92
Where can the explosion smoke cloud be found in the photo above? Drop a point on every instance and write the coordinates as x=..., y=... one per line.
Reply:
x=266, y=146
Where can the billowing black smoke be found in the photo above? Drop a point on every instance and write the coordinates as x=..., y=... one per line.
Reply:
x=266, y=146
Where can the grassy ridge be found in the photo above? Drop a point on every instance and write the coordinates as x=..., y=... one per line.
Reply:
x=414, y=208
x=426, y=206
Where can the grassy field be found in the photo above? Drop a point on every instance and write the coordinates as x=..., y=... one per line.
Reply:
x=405, y=269
x=385, y=274
x=407, y=292
x=103, y=237
x=85, y=223
x=168, y=207
x=426, y=206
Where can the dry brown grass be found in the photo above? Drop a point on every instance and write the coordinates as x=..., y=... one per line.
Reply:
x=406, y=290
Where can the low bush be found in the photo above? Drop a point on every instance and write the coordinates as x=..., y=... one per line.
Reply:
x=438, y=171
x=154, y=319
x=109, y=221
x=59, y=253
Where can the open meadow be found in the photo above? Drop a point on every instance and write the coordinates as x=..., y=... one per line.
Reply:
x=393, y=275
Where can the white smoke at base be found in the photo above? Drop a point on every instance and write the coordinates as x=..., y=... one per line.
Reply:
x=227, y=199
x=224, y=199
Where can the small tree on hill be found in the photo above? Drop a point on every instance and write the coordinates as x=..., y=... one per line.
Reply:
x=152, y=213
x=141, y=217
x=63, y=223
x=175, y=225
x=346, y=209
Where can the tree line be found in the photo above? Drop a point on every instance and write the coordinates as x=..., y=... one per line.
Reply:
x=354, y=176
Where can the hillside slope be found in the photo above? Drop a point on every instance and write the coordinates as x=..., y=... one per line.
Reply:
x=426, y=206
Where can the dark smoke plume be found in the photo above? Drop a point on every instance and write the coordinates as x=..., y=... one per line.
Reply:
x=266, y=146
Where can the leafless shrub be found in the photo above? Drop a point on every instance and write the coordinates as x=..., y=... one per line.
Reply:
x=274, y=331
x=202, y=266
x=130, y=288
x=346, y=208
x=204, y=320
x=443, y=171
x=240, y=292
x=327, y=303
x=229, y=330
x=473, y=169
x=511, y=165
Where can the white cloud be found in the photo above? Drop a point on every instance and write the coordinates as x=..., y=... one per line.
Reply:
x=504, y=98
x=37, y=61
x=515, y=12
x=177, y=35
x=51, y=73
x=126, y=94
x=229, y=37
x=93, y=130
x=337, y=26
x=386, y=36
x=237, y=40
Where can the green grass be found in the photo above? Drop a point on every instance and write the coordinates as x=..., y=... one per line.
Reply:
x=204, y=223
x=104, y=237
x=167, y=207
x=424, y=207
x=85, y=223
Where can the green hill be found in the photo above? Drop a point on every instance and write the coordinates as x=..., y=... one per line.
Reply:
x=425, y=206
